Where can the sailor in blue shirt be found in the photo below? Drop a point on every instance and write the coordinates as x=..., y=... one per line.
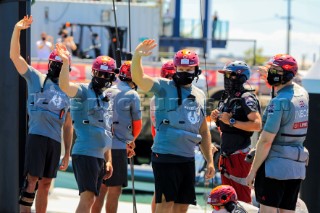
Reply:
x=91, y=112
x=48, y=111
x=180, y=126
x=126, y=128
x=280, y=161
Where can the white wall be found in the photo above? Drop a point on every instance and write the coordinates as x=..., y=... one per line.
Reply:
x=145, y=19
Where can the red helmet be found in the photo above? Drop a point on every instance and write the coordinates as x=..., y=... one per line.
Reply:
x=104, y=64
x=54, y=57
x=167, y=70
x=125, y=72
x=286, y=62
x=221, y=195
x=186, y=58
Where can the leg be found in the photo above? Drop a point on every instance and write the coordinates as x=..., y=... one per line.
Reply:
x=153, y=203
x=267, y=209
x=28, y=193
x=180, y=208
x=286, y=211
x=164, y=206
x=86, y=202
x=98, y=203
x=113, y=195
x=42, y=195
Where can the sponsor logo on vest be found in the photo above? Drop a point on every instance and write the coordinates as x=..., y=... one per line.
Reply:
x=300, y=125
x=303, y=113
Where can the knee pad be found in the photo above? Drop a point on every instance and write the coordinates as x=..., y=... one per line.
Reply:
x=27, y=198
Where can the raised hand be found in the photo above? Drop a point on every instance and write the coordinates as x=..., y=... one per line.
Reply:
x=263, y=70
x=62, y=51
x=24, y=23
x=145, y=47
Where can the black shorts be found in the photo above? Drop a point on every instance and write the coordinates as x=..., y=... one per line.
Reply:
x=176, y=181
x=42, y=156
x=120, y=169
x=89, y=172
x=281, y=194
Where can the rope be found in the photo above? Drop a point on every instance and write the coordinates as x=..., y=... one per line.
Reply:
x=133, y=190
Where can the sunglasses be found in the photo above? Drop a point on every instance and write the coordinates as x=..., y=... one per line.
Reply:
x=275, y=70
x=55, y=65
x=105, y=75
x=229, y=74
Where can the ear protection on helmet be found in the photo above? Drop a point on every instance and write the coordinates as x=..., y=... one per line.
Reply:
x=230, y=206
x=287, y=76
x=197, y=71
x=113, y=78
x=242, y=79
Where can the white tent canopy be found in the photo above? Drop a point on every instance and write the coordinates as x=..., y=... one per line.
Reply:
x=311, y=80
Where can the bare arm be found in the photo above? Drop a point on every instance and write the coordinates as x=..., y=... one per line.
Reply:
x=254, y=123
x=67, y=134
x=67, y=139
x=206, y=149
x=142, y=80
x=109, y=167
x=15, y=56
x=64, y=83
x=262, y=150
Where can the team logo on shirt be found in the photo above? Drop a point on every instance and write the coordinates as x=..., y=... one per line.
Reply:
x=250, y=102
x=270, y=109
x=193, y=117
x=57, y=101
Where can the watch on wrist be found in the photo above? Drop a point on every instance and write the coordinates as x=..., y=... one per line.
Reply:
x=232, y=121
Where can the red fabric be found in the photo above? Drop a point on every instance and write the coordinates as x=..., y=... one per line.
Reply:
x=153, y=131
x=136, y=128
x=236, y=166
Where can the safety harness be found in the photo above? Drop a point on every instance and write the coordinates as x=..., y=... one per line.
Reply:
x=223, y=170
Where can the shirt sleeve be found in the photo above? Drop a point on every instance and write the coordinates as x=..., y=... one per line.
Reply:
x=31, y=75
x=273, y=116
x=250, y=103
x=156, y=86
x=80, y=93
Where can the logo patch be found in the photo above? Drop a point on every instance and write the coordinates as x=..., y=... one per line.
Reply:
x=271, y=109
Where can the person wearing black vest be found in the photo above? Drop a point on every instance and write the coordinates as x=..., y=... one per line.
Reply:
x=279, y=165
x=237, y=116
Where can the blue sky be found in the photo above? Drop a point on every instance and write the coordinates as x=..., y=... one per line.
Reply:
x=261, y=20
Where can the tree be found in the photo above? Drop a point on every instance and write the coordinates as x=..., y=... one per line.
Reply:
x=260, y=59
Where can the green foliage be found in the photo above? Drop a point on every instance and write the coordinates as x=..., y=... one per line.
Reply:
x=249, y=57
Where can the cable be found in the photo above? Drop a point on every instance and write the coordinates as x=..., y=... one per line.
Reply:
x=204, y=48
x=129, y=11
x=129, y=57
x=117, y=52
x=206, y=185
